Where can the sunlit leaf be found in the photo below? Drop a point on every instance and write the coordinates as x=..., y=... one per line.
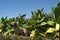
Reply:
x=57, y=27
x=33, y=33
x=43, y=23
x=50, y=30
x=0, y=30
x=50, y=22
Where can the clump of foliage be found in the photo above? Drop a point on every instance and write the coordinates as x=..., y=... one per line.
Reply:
x=40, y=24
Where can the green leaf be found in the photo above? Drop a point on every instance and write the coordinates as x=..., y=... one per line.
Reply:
x=1, y=24
x=58, y=20
x=42, y=34
x=41, y=20
x=50, y=23
x=57, y=11
x=5, y=33
x=43, y=23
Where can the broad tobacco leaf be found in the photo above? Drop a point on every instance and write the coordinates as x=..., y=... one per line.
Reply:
x=50, y=30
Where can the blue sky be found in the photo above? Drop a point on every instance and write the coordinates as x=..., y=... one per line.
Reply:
x=12, y=8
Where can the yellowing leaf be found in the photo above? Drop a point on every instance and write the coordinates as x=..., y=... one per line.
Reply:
x=50, y=30
x=0, y=30
x=57, y=27
x=33, y=33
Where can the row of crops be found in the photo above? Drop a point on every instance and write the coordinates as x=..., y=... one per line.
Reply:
x=40, y=24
